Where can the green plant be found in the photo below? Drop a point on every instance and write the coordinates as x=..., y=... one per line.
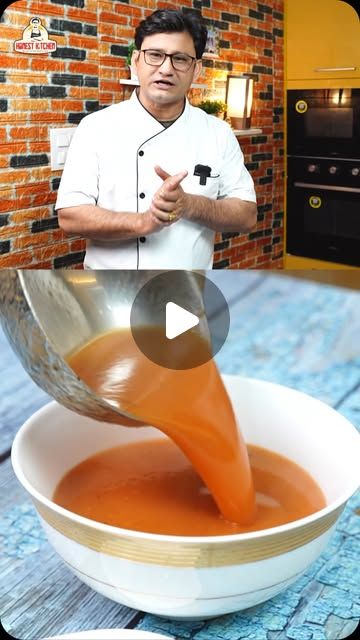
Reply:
x=131, y=48
x=212, y=107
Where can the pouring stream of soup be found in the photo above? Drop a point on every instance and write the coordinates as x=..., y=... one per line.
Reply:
x=192, y=407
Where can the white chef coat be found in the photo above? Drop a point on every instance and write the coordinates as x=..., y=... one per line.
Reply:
x=111, y=162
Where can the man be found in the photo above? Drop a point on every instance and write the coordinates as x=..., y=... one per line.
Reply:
x=148, y=181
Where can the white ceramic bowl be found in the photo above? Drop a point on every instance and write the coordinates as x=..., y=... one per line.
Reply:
x=193, y=577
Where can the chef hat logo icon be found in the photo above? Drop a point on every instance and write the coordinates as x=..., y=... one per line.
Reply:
x=35, y=31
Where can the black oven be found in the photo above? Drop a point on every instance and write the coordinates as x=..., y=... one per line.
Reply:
x=324, y=122
x=323, y=209
x=323, y=174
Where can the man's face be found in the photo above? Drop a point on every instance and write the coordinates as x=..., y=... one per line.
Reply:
x=163, y=85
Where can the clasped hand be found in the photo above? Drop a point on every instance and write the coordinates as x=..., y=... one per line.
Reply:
x=169, y=202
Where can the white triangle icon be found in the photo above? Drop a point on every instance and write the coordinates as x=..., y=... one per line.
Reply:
x=178, y=320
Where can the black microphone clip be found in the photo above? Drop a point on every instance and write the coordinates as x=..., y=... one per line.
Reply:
x=203, y=171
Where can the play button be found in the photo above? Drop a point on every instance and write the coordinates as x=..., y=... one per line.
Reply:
x=179, y=319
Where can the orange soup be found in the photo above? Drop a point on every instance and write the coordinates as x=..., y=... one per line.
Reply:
x=151, y=486
x=193, y=409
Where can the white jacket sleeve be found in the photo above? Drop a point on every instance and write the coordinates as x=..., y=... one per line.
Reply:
x=80, y=178
x=235, y=180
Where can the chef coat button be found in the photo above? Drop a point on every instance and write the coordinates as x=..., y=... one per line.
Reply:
x=141, y=153
x=142, y=195
x=142, y=239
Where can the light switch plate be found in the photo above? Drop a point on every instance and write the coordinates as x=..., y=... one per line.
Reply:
x=59, y=144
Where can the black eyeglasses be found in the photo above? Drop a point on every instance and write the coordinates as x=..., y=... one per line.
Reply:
x=179, y=61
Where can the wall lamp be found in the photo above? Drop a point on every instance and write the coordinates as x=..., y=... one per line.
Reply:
x=239, y=98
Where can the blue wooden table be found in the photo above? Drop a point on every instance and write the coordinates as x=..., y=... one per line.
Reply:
x=298, y=333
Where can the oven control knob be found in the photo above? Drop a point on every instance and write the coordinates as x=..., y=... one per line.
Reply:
x=355, y=171
x=333, y=170
x=312, y=168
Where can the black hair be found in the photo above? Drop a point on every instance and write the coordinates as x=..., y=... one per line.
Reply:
x=172, y=20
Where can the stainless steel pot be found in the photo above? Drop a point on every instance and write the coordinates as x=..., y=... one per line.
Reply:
x=46, y=314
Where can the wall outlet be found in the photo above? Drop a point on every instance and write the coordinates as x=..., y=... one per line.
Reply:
x=59, y=144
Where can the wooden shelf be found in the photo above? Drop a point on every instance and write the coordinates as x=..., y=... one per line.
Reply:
x=247, y=132
x=131, y=83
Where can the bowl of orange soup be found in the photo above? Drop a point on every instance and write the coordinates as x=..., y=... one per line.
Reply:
x=129, y=515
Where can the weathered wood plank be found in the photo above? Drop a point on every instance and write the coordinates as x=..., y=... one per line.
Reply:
x=20, y=397
x=39, y=596
x=297, y=333
x=236, y=284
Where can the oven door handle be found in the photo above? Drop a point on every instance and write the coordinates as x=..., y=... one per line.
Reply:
x=326, y=187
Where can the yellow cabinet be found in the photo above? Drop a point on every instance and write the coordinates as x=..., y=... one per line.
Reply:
x=322, y=40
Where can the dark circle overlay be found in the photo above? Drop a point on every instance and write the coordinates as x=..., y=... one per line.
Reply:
x=193, y=292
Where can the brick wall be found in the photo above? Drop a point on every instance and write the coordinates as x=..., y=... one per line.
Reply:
x=41, y=91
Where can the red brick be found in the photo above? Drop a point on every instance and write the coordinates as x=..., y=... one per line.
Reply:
x=43, y=198
x=46, y=264
x=12, y=231
x=83, y=93
x=39, y=147
x=82, y=14
x=47, y=117
x=71, y=105
x=47, y=64
x=38, y=8
x=83, y=42
x=78, y=245
x=113, y=18
x=14, y=61
x=58, y=234
x=29, y=215
x=13, y=148
x=51, y=251
x=13, y=177
x=11, y=205
x=83, y=67
x=29, y=133
x=31, y=189
x=16, y=259
x=32, y=240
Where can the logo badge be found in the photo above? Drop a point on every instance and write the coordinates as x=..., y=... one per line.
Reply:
x=301, y=106
x=315, y=202
x=35, y=39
